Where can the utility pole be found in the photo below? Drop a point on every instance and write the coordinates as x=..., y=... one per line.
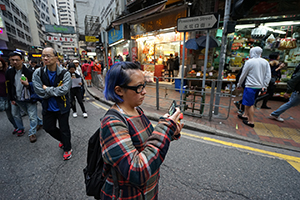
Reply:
x=222, y=54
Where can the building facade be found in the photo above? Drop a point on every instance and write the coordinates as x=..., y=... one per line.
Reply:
x=16, y=24
x=67, y=17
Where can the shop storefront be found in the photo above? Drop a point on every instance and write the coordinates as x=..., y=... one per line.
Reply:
x=153, y=41
x=118, y=42
x=282, y=37
x=154, y=51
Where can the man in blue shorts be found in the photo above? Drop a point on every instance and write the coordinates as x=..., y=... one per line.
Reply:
x=257, y=73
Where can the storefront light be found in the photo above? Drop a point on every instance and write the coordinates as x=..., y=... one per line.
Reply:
x=242, y=26
x=286, y=23
x=279, y=31
x=118, y=42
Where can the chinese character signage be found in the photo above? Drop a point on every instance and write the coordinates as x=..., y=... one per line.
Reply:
x=59, y=39
x=197, y=23
x=115, y=34
x=91, y=39
x=59, y=29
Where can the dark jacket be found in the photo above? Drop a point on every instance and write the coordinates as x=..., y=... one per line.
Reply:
x=176, y=63
x=170, y=64
x=10, y=78
x=294, y=83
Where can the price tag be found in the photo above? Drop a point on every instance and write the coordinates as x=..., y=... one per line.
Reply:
x=198, y=74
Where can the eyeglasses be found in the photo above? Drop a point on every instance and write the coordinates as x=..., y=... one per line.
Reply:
x=47, y=56
x=138, y=89
x=15, y=60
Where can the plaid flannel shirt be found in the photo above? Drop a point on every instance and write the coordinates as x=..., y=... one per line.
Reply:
x=136, y=154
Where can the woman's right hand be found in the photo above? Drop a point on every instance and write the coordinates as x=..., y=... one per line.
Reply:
x=175, y=118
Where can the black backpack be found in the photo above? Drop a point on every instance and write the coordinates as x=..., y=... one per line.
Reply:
x=94, y=180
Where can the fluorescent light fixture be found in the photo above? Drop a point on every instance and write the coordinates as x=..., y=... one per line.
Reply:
x=245, y=26
x=272, y=30
x=118, y=42
x=266, y=27
x=279, y=31
x=286, y=23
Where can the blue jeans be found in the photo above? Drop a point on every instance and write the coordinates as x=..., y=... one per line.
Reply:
x=294, y=101
x=9, y=115
x=31, y=110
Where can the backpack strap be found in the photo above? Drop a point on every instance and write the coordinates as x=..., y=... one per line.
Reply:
x=115, y=113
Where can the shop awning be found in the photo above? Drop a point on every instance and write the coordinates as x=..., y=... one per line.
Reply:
x=158, y=7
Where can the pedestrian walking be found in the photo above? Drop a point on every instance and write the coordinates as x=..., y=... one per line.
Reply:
x=79, y=72
x=136, y=152
x=170, y=67
x=3, y=96
x=19, y=86
x=75, y=91
x=52, y=83
x=176, y=64
x=257, y=73
x=293, y=91
x=276, y=66
x=88, y=77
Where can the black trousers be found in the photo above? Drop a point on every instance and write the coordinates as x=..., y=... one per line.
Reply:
x=171, y=72
x=76, y=92
x=63, y=133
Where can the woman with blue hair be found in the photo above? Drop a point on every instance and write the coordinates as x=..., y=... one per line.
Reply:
x=137, y=151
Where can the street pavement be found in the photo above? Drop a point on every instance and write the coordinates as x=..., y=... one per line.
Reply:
x=198, y=166
x=266, y=131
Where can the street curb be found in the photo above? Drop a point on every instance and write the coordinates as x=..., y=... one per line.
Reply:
x=205, y=129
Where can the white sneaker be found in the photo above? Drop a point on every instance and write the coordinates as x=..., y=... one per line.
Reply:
x=74, y=114
x=85, y=115
x=276, y=118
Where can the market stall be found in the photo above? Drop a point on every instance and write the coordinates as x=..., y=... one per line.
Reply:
x=154, y=50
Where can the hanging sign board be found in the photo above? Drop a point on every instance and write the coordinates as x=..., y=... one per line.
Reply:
x=203, y=22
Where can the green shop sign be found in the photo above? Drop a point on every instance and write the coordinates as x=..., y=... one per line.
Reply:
x=59, y=29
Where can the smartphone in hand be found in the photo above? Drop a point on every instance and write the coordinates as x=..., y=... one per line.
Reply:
x=172, y=108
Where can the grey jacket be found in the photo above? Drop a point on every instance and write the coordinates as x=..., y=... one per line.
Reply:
x=256, y=71
x=51, y=91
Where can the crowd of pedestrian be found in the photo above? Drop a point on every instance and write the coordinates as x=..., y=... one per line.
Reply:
x=55, y=85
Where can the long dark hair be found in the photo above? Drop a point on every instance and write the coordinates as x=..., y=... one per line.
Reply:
x=3, y=63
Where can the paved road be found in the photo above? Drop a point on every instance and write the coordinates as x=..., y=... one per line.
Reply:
x=198, y=166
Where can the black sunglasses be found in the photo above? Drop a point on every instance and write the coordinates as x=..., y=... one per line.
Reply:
x=138, y=89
